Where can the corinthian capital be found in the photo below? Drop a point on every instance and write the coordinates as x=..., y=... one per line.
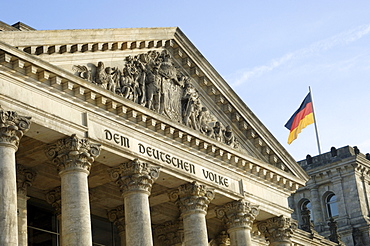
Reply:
x=192, y=197
x=25, y=178
x=73, y=153
x=12, y=127
x=278, y=229
x=135, y=176
x=170, y=233
x=238, y=214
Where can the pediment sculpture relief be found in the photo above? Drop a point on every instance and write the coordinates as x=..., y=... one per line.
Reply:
x=152, y=80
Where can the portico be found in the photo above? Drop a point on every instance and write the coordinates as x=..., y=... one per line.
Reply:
x=131, y=131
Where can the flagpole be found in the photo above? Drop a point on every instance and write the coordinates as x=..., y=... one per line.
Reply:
x=314, y=119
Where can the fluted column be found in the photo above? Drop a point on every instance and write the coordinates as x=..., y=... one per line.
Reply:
x=317, y=214
x=193, y=200
x=25, y=178
x=135, y=180
x=117, y=217
x=12, y=128
x=239, y=217
x=74, y=157
x=278, y=230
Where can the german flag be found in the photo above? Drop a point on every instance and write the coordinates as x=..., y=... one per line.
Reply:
x=300, y=119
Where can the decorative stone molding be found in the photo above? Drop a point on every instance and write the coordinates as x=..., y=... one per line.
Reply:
x=25, y=177
x=117, y=217
x=54, y=198
x=192, y=197
x=278, y=229
x=73, y=153
x=238, y=214
x=135, y=176
x=12, y=127
x=170, y=233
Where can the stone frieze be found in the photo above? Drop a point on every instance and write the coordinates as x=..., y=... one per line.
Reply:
x=152, y=80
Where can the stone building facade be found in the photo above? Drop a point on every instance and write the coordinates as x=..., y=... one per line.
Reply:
x=130, y=137
x=335, y=200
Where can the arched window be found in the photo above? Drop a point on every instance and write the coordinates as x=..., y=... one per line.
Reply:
x=306, y=205
x=331, y=205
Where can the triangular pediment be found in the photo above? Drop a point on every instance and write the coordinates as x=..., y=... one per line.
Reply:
x=161, y=70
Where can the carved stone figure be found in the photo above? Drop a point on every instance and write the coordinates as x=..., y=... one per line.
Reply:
x=152, y=80
x=191, y=105
x=218, y=131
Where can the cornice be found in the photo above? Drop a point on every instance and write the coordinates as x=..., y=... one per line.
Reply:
x=261, y=141
x=61, y=81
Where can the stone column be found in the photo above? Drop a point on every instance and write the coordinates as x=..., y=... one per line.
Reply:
x=25, y=178
x=278, y=230
x=170, y=233
x=193, y=200
x=74, y=157
x=135, y=180
x=12, y=128
x=317, y=214
x=117, y=217
x=239, y=217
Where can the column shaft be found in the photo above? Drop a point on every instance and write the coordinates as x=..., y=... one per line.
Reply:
x=8, y=197
x=195, y=229
x=22, y=220
x=316, y=210
x=240, y=237
x=137, y=219
x=76, y=222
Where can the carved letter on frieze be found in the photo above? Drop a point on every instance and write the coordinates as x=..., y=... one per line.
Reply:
x=278, y=229
x=192, y=197
x=12, y=127
x=71, y=153
x=238, y=214
x=135, y=176
x=152, y=80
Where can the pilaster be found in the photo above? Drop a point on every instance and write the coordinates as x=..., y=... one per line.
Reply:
x=25, y=178
x=12, y=128
x=278, y=230
x=117, y=217
x=170, y=233
x=193, y=199
x=73, y=158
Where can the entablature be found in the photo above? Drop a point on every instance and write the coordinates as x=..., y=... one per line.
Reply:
x=60, y=81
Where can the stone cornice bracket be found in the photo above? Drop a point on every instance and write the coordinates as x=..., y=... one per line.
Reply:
x=54, y=198
x=117, y=217
x=12, y=128
x=170, y=233
x=278, y=229
x=72, y=153
x=134, y=176
x=192, y=197
x=238, y=214
x=25, y=177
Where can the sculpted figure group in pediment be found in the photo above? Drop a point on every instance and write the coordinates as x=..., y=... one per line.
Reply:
x=152, y=80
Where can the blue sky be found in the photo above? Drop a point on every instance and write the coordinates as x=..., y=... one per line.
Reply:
x=270, y=52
